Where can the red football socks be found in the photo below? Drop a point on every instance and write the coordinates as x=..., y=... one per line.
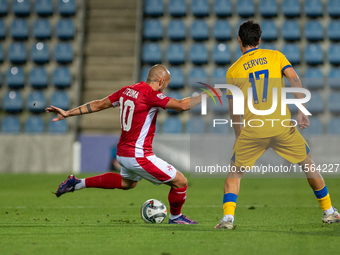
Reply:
x=176, y=199
x=105, y=181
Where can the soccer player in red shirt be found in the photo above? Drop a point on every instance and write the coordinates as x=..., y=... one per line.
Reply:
x=138, y=104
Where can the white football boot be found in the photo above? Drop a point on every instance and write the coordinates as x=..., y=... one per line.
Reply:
x=228, y=224
x=331, y=218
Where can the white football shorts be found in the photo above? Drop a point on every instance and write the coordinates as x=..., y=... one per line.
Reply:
x=151, y=168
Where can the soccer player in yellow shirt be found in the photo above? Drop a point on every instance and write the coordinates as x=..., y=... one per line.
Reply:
x=263, y=70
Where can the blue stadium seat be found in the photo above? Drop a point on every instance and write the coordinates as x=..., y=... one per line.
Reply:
x=313, y=8
x=314, y=78
x=333, y=30
x=334, y=102
x=222, y=30
x=269, y=30
x=152, y=29
x=268, y=46
x=223, y=8
x=63, y=53
x=198, y=53
x=291, y=30
x=200, y=8
x=17, y=52
x=221, y=54
x=67, y=7
x=42, y=29
x=292, y=53
x=334, y=54
x=60, y=99
x=3, y=7
x=219, y=72
x=313, y=54
x=197, y=74
x=176, y=95
x=196, y=125
x=333, y=8
x=175, y=53
x=219, y=128
x=0, y=83
x=21, y=7
x=176, y=29
x=245, y=8
x=1, y=54
x=44, y=7
x=19, y=28
x=153, y=7
x=13, y=101
x=333, y=78
x=61, y=77
x=315, y=104
x=315, y=127
x=34, y=125
x=57, y=127
x=218, y=108
x=268, y=8
x=15, y=77
x=38, y=77
x=177, y=8
x=65, y=29
x=333, y=126
x=172, y=125
x=177, y=78
x=199, y=30
x=291, y=8
x=2, y=29
x=238, y=53
x=144, y=73
x=36, y=101
x=314, y=31
x=40, y=53
x=10, y=124
x=152, y=53
x=219, y=75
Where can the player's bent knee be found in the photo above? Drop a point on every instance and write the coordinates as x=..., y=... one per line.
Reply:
x=179, y=181
x=184, y=182
x=128, y=184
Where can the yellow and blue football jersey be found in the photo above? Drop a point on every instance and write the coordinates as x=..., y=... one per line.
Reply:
x=262, y=70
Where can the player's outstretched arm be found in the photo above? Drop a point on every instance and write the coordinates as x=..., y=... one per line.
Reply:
x=188, y=103
x=293, y=78
x=94, y=106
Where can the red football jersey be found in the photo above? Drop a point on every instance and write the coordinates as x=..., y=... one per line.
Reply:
x=138, y=105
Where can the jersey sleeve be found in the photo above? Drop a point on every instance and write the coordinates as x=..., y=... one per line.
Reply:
x=284, y=63
x=158, y=99
x=230, y=80
x=114, y=98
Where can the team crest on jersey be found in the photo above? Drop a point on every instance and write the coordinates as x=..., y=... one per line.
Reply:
x=161, y=95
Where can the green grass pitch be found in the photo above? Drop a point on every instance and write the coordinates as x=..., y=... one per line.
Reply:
x=273, y=216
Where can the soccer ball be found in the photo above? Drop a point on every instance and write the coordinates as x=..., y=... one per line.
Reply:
x=153, y=211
